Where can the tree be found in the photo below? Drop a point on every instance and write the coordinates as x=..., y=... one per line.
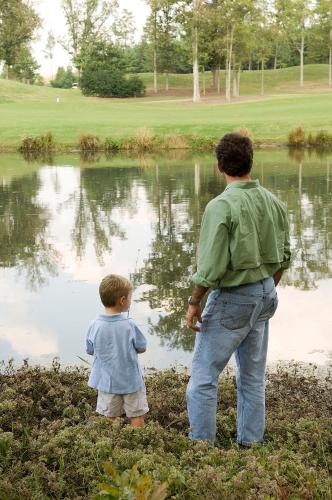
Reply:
x=166, y=34
x=86, y=23
x=151, y=34
x=295, y=17
x=123, y=29
x=64, y=79
x=196, y=11
x=18, y=23
x=103, y=73
x=49, y=49
x=323, y=31
x=26, y=67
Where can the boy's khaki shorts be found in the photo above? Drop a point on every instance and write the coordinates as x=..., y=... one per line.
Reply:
x=115, y=405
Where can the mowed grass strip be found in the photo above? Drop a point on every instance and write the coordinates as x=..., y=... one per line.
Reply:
x=30, y=110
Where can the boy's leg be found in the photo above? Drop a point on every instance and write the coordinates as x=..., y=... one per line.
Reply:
x=110, y=405
x=136, y=406
x=137, y=421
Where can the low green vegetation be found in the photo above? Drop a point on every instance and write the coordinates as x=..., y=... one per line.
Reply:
x=27, y=110
x=52, y=445
x=300, y=138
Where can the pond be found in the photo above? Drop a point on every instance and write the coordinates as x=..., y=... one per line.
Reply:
x=66, y=222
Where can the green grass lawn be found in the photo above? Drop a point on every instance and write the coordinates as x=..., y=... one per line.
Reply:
x=31, y=110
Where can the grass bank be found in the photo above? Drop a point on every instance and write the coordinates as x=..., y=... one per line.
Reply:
x=33, y=111
x=52, y=445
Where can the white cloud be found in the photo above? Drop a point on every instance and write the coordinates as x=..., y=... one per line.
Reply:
x=27, y=340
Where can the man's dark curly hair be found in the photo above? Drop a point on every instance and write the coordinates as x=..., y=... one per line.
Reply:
x=235, y=154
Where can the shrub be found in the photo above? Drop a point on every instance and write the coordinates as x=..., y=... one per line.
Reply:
x=202, y=143
x=175, y=141
x=53, y=446
x=130, y=484
x=64, y=79
x=323, y=139
x=245, y=132
x=297, y=137
x=144, y=140
x=88, y=142
x=39, y=144
x=112, y=145
x=110, y=83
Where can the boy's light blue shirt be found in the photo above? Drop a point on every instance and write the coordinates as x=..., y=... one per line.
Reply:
x=114, y=342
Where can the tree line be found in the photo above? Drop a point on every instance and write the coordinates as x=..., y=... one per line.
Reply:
x=180, y=36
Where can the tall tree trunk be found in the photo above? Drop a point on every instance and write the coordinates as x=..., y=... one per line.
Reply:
x=167, y=82
x=218, y=81
x=229, y=68
x=155, y=82
x=262, y=81
x=238, y=79
x=214, y=77
x=250, y=63
x=203, y=80
x=196, y=92
x=330, y=51
x=302, y=61
x=7, y=71
x=275, y=60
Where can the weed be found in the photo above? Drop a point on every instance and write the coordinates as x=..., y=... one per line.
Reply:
x=88, y=142
x=297, y=137
x=38, y=145
x=53, y=446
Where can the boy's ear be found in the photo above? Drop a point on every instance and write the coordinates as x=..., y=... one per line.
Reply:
x=122, y=300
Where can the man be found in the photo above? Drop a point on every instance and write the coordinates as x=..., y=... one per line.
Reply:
x=243, y=250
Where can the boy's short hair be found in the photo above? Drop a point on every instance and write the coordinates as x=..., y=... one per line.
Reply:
x=235, y=154
x=112, y=288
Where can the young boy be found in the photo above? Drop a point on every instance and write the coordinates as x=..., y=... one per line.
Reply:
x=114, y=341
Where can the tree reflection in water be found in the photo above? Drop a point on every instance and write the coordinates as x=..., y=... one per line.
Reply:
x=101, y=191
x=24, y=242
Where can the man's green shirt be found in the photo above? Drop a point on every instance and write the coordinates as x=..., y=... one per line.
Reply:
x=244, y=237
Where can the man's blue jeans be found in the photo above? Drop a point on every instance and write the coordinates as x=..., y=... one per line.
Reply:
x=234, y=320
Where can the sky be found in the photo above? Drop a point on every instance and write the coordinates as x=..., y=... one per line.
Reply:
x=53, y=20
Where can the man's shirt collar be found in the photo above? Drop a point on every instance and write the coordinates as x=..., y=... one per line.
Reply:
x=243, y=184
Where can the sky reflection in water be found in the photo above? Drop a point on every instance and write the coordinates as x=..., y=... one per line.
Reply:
x=62, y=228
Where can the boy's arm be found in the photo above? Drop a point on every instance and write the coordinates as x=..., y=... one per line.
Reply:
x=89, y=342
x=139, y=339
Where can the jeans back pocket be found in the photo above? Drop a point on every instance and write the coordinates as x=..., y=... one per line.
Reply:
x=235, y=316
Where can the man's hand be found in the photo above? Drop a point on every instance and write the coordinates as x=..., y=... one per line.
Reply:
x=192, y=313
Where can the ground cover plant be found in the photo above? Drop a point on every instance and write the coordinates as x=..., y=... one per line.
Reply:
x=31, y=110
x=53, y=446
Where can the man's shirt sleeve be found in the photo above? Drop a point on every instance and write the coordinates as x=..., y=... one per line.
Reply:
x=287, y=251
x=213, y=250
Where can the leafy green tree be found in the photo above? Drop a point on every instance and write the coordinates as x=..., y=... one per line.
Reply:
x=295, y=16
x=166, y=23
x=18, y=24
x=151, y=35
x=86, y=23
x=26, y=67
x=104, y=73
x=64, y=78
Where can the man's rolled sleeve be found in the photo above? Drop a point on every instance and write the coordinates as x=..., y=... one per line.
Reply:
x=287, y=251
x=213, y=251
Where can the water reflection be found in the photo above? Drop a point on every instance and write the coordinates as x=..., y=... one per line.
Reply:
x=141, y=217
x=24, y=222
